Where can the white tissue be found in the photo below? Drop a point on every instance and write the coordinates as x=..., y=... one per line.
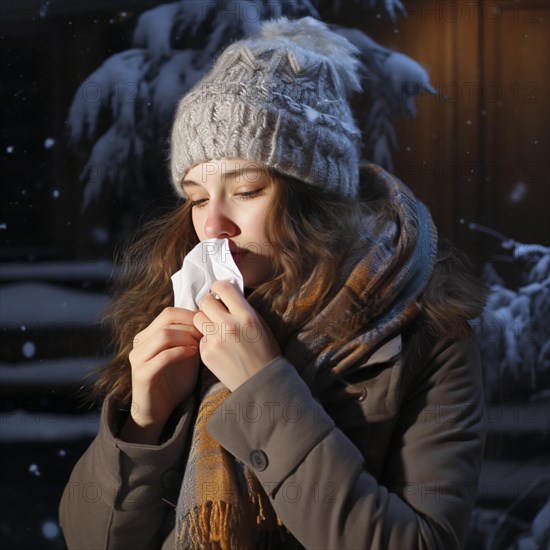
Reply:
x=209, y=261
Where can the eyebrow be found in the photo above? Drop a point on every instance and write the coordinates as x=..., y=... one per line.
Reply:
x=189, y=183
x=231, y=173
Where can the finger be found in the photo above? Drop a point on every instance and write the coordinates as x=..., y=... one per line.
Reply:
x=161, y=361
x=169, y=357
x=144, y=336
x=204, y=324
x=163, y=339
x=168, y=316
x=232, y=297
x=214, y=309
x=191, y=329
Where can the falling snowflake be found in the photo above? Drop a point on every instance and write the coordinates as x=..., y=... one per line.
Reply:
x=28, y=349
x=518, y=192
x=100, y=235
x=50, y=529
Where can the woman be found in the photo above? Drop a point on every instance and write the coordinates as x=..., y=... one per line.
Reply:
x=348, y=414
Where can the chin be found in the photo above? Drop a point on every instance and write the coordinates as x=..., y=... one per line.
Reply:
x=252, y=283
x=252, y=278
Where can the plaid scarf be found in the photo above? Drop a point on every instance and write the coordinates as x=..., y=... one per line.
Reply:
x=221, y=504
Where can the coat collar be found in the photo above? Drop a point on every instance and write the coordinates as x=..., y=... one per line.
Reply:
x=387, y=351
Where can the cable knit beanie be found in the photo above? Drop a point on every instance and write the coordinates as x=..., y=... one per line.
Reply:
x=280, y=99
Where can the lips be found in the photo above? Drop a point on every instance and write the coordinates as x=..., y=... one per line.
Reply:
x=237, y=253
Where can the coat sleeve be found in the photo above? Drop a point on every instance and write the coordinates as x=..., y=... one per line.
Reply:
x=316, y=476
x=114, y=497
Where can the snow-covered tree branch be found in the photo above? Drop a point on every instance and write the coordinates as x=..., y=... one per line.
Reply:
x=513, y=332
x=173, y=44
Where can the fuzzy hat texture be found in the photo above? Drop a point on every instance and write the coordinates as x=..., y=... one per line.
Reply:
x=281, y=99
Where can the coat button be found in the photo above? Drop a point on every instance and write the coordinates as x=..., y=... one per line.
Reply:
x=363, y=395
x=258, y=459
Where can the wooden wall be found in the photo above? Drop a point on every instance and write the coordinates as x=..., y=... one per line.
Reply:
x=478, y=150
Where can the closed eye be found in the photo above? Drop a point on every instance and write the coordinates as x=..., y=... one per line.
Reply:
x=244, y=195
x=198, y=203
x=249, y=194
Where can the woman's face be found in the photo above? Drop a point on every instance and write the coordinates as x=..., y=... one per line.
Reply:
x=230, y=198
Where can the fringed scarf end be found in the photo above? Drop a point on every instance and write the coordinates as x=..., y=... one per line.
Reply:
x=218, y=526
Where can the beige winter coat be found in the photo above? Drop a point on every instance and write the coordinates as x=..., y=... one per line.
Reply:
x=394, y=469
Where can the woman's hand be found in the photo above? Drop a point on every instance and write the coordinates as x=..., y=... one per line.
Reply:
x=236, y=341
x=165, y=366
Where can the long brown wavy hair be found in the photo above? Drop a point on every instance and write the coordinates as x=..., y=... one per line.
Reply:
x=311, y=232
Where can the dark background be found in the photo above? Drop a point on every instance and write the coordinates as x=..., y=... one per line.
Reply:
x=476, y=152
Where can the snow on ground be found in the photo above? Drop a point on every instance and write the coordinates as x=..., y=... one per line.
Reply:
x=22, y=426
x=39, y=303
x=65, y=271
x=56, y=371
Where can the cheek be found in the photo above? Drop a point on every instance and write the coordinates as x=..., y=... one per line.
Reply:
x=256, y=226
x=198, y=224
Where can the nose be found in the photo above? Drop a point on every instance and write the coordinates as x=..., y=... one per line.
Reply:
x=218, y=223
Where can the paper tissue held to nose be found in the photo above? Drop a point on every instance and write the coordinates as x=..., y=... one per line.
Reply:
x=209, y=261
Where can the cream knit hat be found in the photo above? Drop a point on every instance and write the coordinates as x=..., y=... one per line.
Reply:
x=280, y=99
